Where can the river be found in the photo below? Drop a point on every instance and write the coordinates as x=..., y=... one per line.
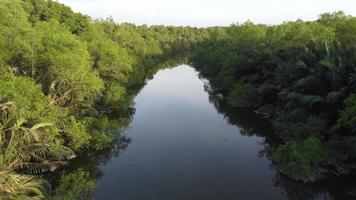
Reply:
x=185, y=145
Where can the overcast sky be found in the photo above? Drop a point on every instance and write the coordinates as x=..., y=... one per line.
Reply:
x=209, y=12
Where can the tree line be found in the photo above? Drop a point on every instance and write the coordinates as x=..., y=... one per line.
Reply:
x=299, y=74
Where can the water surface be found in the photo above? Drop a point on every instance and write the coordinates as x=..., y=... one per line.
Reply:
x=186, y=146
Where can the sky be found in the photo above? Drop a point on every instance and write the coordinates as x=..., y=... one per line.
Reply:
x=203, y=13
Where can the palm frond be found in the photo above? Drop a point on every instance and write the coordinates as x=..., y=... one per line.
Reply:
x=14, y=185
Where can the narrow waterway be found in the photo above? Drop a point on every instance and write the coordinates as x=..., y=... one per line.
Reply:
x=186, y=147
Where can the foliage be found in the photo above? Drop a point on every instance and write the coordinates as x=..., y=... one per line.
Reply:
x=76, y=185
x=25, y=143
x=71, y=78
x=347, y=119
x=291, y=127
x=76, y=134
x=15, y=186
x=25, y=147
x=301, y=160
x=242, y=95
x=298, y=73
x=25, y=93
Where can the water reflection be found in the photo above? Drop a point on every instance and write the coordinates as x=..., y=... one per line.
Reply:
x=336, y=188
x=79, y=179
x=185, y=142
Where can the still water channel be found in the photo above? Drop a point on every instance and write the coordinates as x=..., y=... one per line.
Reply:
x=185, y=145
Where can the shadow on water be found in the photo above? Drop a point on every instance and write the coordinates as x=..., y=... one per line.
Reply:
x=79, y=179
x=335, y=188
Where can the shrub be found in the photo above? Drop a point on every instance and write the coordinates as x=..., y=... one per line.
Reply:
x=301, y=160
x=347, y=118
x=242, y=95
x=76, y=185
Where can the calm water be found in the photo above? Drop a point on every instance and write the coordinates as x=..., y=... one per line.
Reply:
x=185, y=146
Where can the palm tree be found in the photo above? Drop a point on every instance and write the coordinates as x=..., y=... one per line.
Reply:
x=15, y=186
x=24, y=147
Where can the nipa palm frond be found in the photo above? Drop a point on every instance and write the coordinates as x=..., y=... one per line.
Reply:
x=15, y=186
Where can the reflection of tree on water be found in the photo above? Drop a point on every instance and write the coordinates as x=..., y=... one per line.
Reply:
x=299, y=191
x=250, y=124
x=78, y=180
x=338, y=188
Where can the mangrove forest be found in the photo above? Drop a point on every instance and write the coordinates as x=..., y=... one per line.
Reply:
x=95, y=109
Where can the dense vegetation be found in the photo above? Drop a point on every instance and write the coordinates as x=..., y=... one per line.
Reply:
x=64, y=87
x=302, y=76
x=67, y=81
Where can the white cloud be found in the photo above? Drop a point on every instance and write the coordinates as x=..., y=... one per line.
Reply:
x=208, y=12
